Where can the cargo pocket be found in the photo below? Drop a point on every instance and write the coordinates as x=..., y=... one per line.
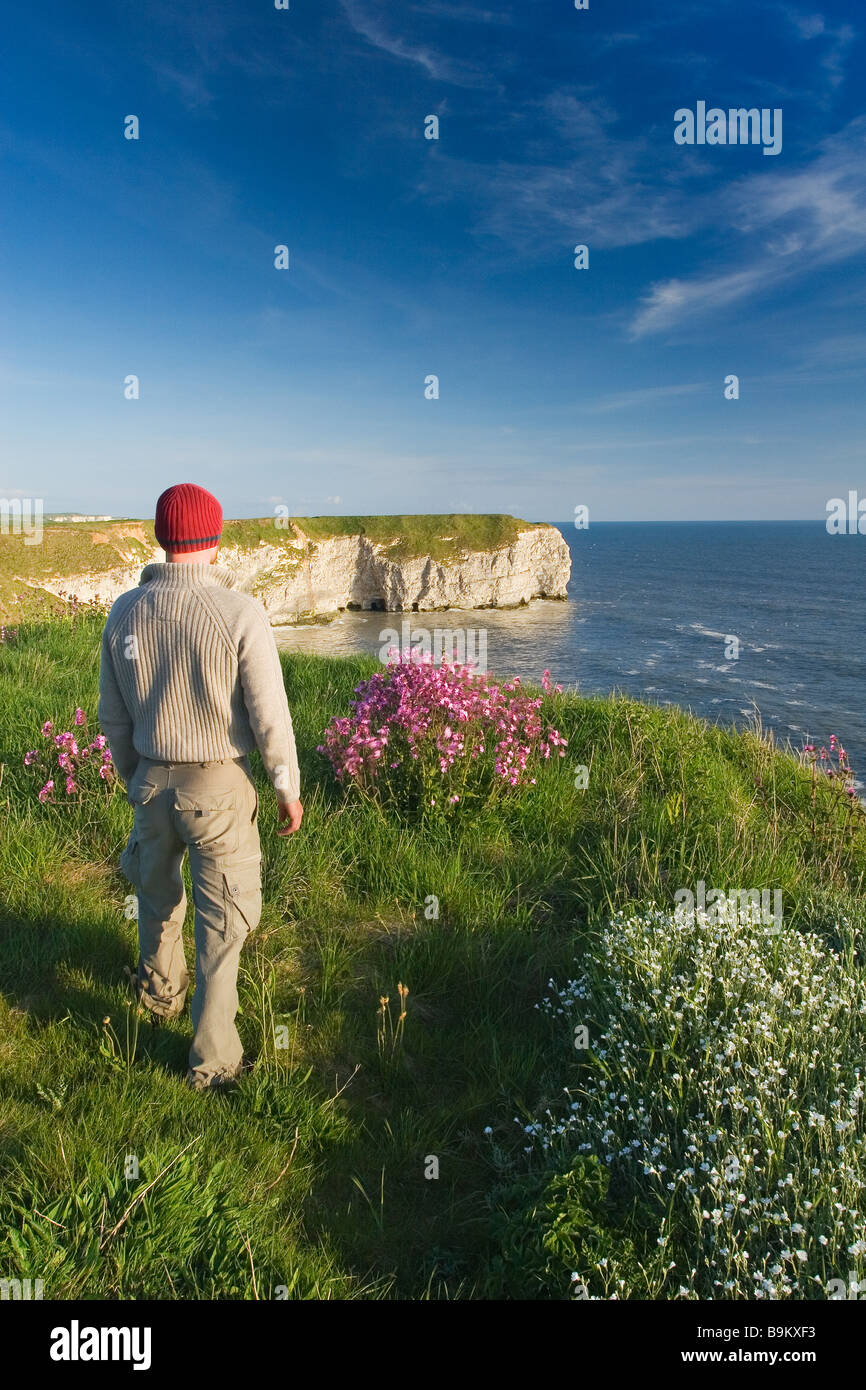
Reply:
x=139, y=795
x=242, y=887
x=130, y=860
x=207, y=821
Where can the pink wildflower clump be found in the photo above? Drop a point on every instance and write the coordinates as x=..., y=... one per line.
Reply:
x=422, y=735
x=832, y=761
x=77, y=767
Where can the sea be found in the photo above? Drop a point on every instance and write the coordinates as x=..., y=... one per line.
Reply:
x=725, y=619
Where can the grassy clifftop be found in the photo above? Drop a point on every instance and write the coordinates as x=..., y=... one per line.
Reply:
x=74, y=548
x=313, y=1173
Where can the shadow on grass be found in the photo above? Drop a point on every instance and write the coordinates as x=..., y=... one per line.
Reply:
x=52, y=969
x=407, y=1191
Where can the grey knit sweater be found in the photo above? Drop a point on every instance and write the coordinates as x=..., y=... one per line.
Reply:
x=190, y=673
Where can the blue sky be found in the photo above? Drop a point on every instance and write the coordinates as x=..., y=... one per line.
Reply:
x=411, y=257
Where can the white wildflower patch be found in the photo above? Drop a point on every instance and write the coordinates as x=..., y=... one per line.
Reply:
x=723, y=1091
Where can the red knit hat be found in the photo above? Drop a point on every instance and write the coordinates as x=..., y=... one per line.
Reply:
x=188, y=518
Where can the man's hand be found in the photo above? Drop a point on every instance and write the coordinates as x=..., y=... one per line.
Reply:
x=291, y=812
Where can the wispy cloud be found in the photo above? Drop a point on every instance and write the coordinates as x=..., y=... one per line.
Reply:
x=842, y=349
x=796, y=223
x=191, y=87
x=366, y=19
x=672, y=301
x=466, y=14
x=835, y=58
x=837, y=42
x=211, y=46
x=648, y=395
x=807, y=25
x=613, y=185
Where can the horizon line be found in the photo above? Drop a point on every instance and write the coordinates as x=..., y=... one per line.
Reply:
x=615, y=521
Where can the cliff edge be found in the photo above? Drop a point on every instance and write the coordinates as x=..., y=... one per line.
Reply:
x=306, y=568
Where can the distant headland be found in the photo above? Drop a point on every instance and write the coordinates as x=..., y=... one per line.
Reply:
x=302, y=567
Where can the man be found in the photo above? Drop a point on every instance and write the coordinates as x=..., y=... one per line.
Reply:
x=190, y=682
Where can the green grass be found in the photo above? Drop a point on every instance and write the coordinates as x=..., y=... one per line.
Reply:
x=441, y=537
x=67, y=548
x=310, y=1175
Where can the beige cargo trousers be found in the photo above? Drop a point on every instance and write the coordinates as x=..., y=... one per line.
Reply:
x=209, y=810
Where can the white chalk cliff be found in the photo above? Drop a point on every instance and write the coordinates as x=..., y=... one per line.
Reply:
x=301, y=578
